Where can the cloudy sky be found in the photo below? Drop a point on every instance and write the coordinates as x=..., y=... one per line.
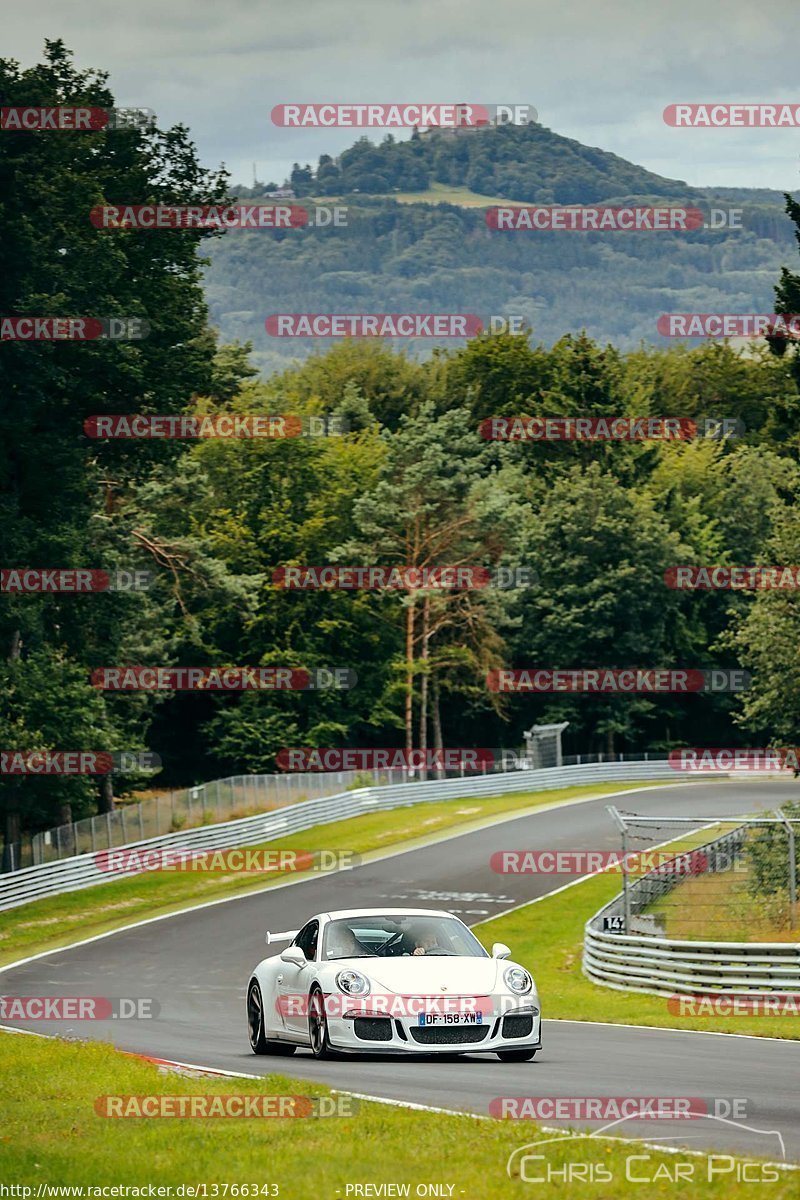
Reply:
x=598, y=72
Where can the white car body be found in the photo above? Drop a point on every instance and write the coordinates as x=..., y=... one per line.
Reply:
x=417, y=1001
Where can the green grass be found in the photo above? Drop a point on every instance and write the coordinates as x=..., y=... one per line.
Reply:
x=50, y=1133
x=437, y=193
x=59, y=920
x=721, y=907
x=547, y=937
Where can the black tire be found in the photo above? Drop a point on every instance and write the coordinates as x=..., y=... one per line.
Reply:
x=255, y=1026
x=318, y=1025
x=521, y=1055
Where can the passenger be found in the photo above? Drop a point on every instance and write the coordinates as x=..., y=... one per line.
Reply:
x=343, y=943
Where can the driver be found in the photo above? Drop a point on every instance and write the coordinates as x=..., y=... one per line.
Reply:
x=425, y=943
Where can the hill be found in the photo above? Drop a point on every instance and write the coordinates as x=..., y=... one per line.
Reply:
x=417, y=240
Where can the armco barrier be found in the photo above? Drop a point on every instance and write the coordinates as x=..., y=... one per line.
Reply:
x=81, y=871
x=668, y=967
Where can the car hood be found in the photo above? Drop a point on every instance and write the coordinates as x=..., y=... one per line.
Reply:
x=423, y=975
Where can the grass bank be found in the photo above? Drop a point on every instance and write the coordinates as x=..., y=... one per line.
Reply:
x=52, y=1134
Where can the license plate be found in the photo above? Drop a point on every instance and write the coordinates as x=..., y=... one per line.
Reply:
x=465, y=1018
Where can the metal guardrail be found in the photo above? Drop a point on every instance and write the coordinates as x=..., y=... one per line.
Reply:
x=641, y=962
x=227, y=799
x=81, y=871
x=202, y=804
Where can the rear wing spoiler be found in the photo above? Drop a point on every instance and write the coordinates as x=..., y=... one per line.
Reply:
x=280, y=937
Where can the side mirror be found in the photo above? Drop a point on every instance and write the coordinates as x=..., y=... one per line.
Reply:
x=500, y=950
x=295, y=956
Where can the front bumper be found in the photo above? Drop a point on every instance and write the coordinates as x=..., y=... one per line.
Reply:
x=511, y=1026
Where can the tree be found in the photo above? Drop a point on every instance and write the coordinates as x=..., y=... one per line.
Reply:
x=54, y=481
x=599, y=553
x=435, y=504
x=767, y=636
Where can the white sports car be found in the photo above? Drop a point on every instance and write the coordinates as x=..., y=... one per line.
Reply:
x=402, y=980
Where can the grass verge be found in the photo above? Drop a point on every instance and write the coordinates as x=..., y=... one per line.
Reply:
x=547, y=936
x=437, y=193
x=52, y=1134
x=57, y=921
x=723, y=908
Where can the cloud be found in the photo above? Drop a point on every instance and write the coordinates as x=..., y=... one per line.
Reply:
x=599, y=73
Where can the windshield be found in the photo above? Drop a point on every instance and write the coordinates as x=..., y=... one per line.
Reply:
x=398, y=937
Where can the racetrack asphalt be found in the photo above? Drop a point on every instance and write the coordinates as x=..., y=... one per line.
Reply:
x=197, y=964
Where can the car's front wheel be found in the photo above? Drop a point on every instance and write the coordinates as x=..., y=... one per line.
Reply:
x=260, y=1044
x=520, y=1055
x=318, y=1026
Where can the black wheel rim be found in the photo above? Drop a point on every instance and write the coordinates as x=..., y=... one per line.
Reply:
x=316, y=1023
x=254, y=1014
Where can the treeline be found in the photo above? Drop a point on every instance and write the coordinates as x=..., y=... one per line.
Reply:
x=519, y=162
x=394, y=257
x=412, y=482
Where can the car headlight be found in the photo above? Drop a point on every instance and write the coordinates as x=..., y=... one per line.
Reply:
x=353, y=983
x=518, y=980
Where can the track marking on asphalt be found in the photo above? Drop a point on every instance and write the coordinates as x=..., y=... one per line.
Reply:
x=367, y=860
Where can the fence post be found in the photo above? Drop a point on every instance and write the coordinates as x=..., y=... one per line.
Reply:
x=108, y=829
x=626, y=898
x=792, y=871
x=122, y=819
